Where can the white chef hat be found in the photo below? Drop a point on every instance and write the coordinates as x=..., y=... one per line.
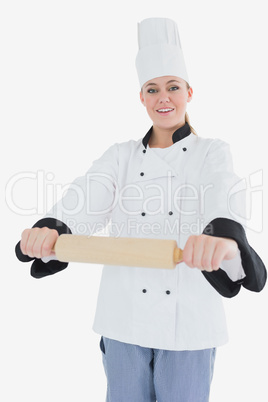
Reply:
x=160, y=51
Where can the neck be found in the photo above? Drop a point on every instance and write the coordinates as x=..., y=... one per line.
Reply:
x=162, y=137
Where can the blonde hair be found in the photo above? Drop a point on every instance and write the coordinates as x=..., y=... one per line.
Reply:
x=187, y=120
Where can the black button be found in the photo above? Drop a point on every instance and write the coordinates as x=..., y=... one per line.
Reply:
x=170, y=213
x=143, y=213
x=144, y=151
x=184, y=149
x=142, y=174
x=168, y=292
x=144, y=291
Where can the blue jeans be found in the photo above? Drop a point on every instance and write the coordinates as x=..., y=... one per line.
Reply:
x=137, y=374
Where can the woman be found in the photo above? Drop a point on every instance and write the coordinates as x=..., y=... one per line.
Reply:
x=160, y=329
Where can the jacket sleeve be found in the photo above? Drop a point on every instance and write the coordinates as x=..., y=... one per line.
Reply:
x=40, y=269
x=222, y=204
x=255, y=272
x=85, y=208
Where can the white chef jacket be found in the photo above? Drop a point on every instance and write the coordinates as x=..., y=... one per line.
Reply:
x=138, y=191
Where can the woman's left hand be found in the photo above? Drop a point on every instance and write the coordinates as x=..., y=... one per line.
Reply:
x=207, y=252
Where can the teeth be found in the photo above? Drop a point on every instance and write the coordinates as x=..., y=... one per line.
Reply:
x=164, y=110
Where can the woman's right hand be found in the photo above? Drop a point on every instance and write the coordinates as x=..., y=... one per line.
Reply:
x=38, y=242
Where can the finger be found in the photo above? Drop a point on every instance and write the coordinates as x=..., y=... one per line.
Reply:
x=32, y=243
x=41, y=237
x=198, y=251
x=28, y=247
x=209, y=249
x=49, y=242
x=24, y=239
x=188, y=252
x=218, y=256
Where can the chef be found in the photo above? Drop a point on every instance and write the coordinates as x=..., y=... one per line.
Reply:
x=159, y=328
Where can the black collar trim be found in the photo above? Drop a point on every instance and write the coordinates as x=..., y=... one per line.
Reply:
x=178, y=135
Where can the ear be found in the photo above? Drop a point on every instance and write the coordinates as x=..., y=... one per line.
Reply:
x=190, y=94
x=142, y=98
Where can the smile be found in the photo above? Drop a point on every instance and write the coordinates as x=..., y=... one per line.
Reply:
x=165, y=111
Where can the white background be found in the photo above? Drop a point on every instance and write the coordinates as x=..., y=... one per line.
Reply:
x=69, y=90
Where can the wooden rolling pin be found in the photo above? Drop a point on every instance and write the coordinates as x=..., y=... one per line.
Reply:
x=133, y=252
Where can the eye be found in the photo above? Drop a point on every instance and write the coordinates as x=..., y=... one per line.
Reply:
x=151, y=91
x=174, y=88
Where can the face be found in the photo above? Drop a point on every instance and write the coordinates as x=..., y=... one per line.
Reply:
x=165, y=99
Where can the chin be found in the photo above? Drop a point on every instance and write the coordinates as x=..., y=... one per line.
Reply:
x=169, y=125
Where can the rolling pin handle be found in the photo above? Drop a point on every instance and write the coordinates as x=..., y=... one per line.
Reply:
x=178, y=255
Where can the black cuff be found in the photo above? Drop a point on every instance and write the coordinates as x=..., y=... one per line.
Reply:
x=39, y=269
x=256, y=274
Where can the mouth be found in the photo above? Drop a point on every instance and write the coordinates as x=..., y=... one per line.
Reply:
x=165, y=111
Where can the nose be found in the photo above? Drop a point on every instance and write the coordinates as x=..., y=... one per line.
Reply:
x=164, y=98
